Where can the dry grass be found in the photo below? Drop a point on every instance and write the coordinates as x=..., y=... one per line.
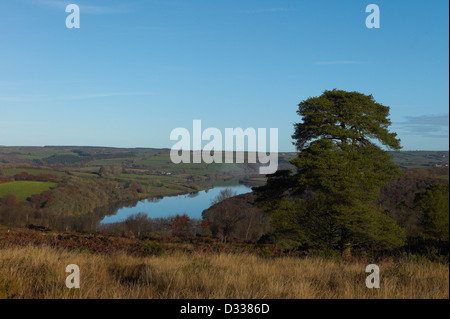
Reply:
x=39, y=272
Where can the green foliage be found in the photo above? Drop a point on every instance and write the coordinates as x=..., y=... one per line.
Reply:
x=343, y=116
x=434, y=204
x=285, y=220
x=340, y=170
x=153, y=248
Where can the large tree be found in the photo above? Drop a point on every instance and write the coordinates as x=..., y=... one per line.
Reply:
x=342, y=163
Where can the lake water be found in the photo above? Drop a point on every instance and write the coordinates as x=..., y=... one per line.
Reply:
x=191, y=204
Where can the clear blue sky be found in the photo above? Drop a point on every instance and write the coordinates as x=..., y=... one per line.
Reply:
x=135, y=70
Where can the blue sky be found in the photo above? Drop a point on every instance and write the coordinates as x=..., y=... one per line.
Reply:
x=135, y=70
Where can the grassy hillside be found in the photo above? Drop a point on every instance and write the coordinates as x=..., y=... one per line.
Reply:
x=25, y=189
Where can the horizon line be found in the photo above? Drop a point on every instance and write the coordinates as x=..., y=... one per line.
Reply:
x=168, y=148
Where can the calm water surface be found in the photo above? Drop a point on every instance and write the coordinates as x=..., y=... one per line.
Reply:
x=190, y=204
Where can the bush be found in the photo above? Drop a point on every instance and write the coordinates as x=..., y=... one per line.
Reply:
x=10, y=200
x=153, y=248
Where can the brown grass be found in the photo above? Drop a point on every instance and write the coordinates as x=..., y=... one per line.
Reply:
x=39, y=272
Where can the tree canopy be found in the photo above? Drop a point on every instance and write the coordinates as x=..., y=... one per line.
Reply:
x=344, y=117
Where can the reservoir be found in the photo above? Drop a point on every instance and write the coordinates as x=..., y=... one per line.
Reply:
x=190, y=204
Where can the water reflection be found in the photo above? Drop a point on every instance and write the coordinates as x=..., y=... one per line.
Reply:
x=191, y=204
x=193, y=195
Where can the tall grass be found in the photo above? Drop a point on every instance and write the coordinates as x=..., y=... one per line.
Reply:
x=39, y=272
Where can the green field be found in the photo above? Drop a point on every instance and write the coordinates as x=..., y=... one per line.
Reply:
x=25, y=189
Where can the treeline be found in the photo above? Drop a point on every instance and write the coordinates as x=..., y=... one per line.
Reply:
x=143, y=226
x=404, y=188
x=81, y=157
x=24, y=176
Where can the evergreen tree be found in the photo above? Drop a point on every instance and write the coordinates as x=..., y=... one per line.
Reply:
x=434, y=204
x=340, y=169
